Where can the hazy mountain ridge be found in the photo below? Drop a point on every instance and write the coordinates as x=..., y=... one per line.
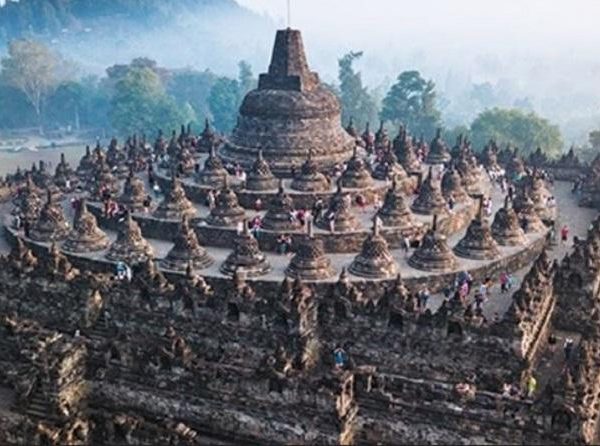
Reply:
x=99, y=33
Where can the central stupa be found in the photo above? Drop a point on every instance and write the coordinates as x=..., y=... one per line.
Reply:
x=289, y=114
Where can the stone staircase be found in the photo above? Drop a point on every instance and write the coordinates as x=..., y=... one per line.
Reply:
x=39, y=409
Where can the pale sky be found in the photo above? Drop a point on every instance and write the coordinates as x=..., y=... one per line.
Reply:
x=443, y=22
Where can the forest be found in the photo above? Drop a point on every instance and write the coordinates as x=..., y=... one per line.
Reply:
x=141, y=93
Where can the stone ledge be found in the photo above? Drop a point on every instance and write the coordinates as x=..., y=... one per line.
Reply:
x=435, y=282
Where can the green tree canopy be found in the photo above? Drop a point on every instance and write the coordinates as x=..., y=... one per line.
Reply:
x=36, y=71
x=525, y=130
x=227, y=95
x=357, y=103
x=223, y=101
x=140, y=104
x=194, y=87
x=412, y=102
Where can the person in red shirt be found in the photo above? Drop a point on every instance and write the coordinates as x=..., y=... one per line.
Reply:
x=564, y=234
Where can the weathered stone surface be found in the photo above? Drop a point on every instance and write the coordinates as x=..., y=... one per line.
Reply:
x=478, y=242
x=452, y=186
x=506, y=228
x=246, y=257
x=388, y=168
x=438, y=150
x=527, y=213
x=405, y=151
x=309, y=262
x=134, y=193
x=186, y=250
x=340, y=211
x=51, y=226
x=227, y=211
x=286, y=113
x=433, y=254
x=175, y=205
x=213, y=174
x=309, y=179
x=430, y=200
x=356, y=175
x=64, y=174
x=279, y=214
x=85, y=236
x=375, y=260
x=208, y=139
x=395, y=212
x=260, y=177
x=130, y=246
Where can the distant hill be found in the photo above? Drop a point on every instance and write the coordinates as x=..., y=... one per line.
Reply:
x=53, y=17
x=99, y=33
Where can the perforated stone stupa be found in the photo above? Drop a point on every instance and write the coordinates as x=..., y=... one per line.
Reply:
x=186, y=250
x=51, y=225
x=506, y=228
x=175, y=204
x=310, y=261
x=85, y=236
x=478, y=242
x=375, y=260
x=433, y=254
x=130, y=246
x=289, y=112
x=246, y=257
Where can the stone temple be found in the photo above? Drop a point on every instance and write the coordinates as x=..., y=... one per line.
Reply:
x=289, y=113
x=289, y=311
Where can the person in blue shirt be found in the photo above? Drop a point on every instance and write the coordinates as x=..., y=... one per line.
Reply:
x=339, y=356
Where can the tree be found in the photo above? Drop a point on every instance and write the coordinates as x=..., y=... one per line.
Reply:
x=412, y=101
x=140, y=103
x=223, y=101
x=525, y=130
x=34, y=70
x=246, y=79
x=357, y=102
x=193, y=87
x=595, y=139
x=226, y=97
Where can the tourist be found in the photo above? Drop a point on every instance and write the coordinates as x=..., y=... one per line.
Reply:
x=26, y=227
x=568, y=349
x=564, y=234
x=376, y=204
x=531, y=386
x=318, y=208
x=210, y=200
x=121, y=269
x=331, y=221
x=258, y=205
x=281, y=244
x=488, y=207
x=511, y=281
x=17, y=221
x=503, y=282
x=301, y=216
x=147, y=203
x=339, y=357
x=451, y=203
x=423, y=297
x=256, y=225
x=361, y=202
x=405, y=244
x=156, y=190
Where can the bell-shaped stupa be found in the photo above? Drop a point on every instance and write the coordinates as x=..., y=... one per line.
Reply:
x=288, y=112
